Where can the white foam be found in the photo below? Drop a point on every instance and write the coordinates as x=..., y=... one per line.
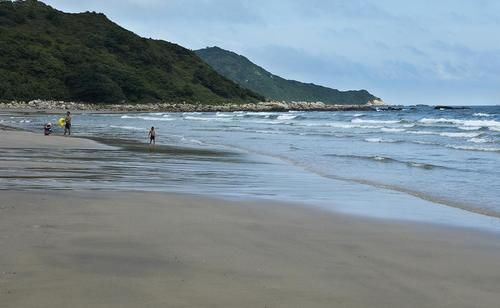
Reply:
x=481, y=123
x=460, y=135
x=147, y=118
x=496, y=129
x=478, y=140
x=469, y=127
x=471, y=148
x=128, y=127
x=347, y=126
x=422, y=132
x=196, y=141
x=479, y=114
x=424, y=142
x=358, y=115
x=222, y=114
x=472, y=123
x=392, y=130
x=253, y=113
x=373, y=121
x=287, y=117
x=269, y=132
x=205, y=119
x=380, y=140
x=435, y=121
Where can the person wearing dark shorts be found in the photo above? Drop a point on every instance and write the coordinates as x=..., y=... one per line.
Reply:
x=152, y=135
x=67, y=125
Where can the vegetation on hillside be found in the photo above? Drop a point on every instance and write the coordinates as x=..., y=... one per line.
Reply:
x=48, y=54
x=251, y=76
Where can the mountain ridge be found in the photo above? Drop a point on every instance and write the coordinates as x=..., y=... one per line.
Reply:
x=252, y=76
x=85, y=57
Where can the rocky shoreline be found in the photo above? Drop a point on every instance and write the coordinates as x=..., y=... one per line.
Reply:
x=38, y=105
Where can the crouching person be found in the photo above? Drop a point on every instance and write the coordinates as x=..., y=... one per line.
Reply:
x=47, y=130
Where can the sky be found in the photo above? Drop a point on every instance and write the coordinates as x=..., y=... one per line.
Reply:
x=404, y=51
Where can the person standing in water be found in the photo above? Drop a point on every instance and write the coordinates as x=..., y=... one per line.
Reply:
x=67, y=124
x=152, y=135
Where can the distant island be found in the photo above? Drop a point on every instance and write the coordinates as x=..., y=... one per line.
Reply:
x=253, y=77
x=52, y=55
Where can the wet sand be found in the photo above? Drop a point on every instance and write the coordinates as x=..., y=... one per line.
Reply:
x=103, y=249
x=137, y=249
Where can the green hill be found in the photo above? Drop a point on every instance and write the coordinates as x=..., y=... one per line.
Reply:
x=48, y=54
x=251, y=76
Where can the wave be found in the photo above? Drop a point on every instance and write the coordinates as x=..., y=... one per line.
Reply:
x=480, y=114
x=422, y=132
x=129, y=127
x=258, y=114
x=268, y=132
x=496, y=129
x=184, y=139
x=460, y=135
x=198, y=118
x=425, y=142
x=224, y=115
x=341, y=125
x=380, y=140
x=392, y=130
x=472, y=148
x=435, y=121
x=358, y=115
x=469, y=127
x=287, y=117
x=206, y=119
x=375, y=121
x=463, y=123
x=385, y=159
x=147, y=118
x=478, y=140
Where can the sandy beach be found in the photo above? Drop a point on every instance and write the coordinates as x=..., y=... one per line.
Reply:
x=27, y=140
x=140, y=249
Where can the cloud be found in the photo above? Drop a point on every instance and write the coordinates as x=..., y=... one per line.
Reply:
x=389, y=46
x=353, y=9
x=467, y=63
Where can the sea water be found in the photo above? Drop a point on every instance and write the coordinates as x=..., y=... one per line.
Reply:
x=390, y=163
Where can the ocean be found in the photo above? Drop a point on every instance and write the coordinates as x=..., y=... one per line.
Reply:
x=417, y=163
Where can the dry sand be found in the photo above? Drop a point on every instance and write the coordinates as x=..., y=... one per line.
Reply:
x=28, y=140
x=126, y=249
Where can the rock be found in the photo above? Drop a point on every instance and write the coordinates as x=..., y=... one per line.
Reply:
x=185, y=107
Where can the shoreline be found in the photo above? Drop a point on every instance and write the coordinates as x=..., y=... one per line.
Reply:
x=15, y=138
x=54, y=106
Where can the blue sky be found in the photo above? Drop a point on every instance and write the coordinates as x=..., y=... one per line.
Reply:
x=407, y=52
